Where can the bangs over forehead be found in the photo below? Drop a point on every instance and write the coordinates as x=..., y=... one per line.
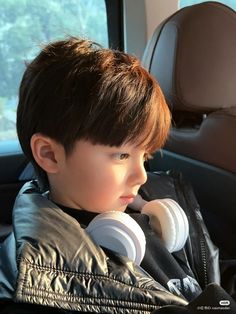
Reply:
x=129, y=107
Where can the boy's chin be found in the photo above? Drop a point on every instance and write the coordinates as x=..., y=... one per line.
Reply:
x=122, y=208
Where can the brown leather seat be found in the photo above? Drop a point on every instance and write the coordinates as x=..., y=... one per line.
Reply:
x=193, y=56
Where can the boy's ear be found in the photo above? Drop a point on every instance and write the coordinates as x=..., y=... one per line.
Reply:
x=47, y=152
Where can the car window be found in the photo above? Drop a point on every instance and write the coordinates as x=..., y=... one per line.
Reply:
x=24, y=26
x=185, y=3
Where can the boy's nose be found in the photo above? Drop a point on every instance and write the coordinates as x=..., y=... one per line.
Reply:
x=138, y=175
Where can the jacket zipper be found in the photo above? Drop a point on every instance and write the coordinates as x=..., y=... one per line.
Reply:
x=204, y=259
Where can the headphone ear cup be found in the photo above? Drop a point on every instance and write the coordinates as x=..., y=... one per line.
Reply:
x=120, y=233
x=181, y=223
x=173, y=222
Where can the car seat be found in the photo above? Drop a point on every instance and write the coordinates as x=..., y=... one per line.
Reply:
x=193, y=56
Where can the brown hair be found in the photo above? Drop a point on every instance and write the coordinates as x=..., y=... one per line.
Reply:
x=75, y=90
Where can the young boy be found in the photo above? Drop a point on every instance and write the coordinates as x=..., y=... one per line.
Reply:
x=87, y=119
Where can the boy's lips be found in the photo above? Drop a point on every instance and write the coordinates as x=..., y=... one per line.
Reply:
x=127, y=199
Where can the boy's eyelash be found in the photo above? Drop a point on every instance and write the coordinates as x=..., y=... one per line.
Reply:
x=121, y=156
x=124, y=156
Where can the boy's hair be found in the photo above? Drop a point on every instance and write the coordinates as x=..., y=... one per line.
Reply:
x=75, y=90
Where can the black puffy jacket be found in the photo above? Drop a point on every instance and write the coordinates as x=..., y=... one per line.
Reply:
x=50, y=260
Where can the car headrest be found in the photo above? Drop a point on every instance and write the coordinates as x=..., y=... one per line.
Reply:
x=192, y=54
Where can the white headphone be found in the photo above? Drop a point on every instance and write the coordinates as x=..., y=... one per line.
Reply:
x=174, y=227
x=119, y=232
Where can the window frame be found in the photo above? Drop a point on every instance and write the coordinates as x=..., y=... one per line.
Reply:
x=115, y=11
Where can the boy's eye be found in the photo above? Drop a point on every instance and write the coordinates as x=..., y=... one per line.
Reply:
x=121, y=156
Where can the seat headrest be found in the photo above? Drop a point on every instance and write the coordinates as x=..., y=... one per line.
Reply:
x=193, y=56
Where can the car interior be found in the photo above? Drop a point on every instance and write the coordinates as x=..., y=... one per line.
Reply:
x=192, y=55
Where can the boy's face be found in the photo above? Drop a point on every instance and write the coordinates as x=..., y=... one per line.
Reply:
x=98, y=178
